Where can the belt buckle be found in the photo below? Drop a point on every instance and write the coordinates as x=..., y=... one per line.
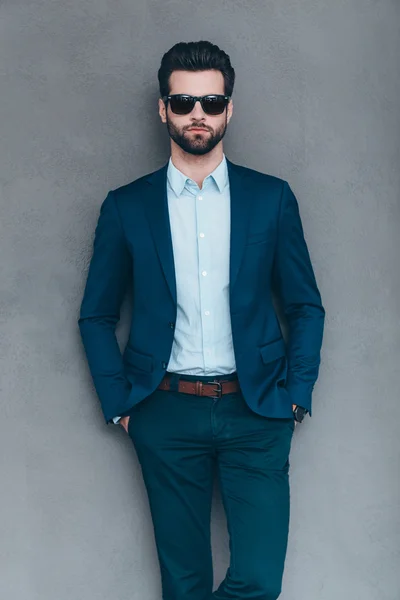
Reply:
x=218, y=389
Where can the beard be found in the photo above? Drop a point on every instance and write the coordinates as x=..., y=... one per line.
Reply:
x=198, y=143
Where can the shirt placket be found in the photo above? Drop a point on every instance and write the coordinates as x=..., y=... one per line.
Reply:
x=205, y=274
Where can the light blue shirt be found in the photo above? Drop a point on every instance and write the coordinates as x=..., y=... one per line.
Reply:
x=200, y=228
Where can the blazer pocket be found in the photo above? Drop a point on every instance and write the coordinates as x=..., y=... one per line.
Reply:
x=143, y=362
x=273, y=350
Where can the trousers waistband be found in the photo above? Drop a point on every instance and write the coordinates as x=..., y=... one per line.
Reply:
x=211, y=387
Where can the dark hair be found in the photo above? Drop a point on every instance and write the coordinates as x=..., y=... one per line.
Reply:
x=195, y=56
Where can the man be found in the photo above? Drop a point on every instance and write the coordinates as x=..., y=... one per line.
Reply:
x=206, y=380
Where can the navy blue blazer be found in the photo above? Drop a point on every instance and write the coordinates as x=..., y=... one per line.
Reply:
x=268, y=256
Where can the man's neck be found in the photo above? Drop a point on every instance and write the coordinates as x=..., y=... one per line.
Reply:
x=195, y=167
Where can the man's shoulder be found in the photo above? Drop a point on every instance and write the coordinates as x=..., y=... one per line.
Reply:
x=137, y=185
x=260, y=177
x=132, y=194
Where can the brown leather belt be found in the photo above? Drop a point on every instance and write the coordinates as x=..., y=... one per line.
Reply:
x=213, y=389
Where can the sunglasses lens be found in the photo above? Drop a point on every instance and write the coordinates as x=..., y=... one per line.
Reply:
x=181, y=105
x=214, y=105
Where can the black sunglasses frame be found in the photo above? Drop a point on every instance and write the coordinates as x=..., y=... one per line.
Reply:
x=201, y=99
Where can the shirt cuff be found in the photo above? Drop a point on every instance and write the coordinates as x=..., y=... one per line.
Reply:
x=116, y=420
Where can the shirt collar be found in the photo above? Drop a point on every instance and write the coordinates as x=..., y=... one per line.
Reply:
x=178, y=180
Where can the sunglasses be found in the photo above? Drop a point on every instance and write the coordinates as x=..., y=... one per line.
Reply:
x=183, y=104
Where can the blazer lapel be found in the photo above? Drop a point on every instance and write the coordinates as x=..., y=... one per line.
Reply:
x=158, y=216
x=240, y=210
x=156, y=205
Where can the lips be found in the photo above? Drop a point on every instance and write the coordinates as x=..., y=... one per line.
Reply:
x=197, y=129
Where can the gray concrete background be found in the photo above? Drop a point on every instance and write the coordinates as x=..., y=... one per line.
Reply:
x=317, y=103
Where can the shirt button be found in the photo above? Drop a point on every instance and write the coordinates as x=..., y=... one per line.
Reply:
x=202, y=235
x=207, y=312
x=199, y=197
x=204, y=273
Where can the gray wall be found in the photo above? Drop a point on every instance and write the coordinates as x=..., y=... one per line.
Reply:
x=317, y=103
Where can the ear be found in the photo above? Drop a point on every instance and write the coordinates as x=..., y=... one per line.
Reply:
x=229, y=110
x=162, y=110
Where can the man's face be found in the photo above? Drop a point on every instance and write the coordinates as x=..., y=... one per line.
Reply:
x=181, y=128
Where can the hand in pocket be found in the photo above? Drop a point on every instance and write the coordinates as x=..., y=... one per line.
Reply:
x=124, y=422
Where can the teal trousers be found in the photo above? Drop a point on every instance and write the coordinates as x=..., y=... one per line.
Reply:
x=181, y=441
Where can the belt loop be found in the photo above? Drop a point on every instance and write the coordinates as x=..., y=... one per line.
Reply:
x=174, y=381
x=199, y=388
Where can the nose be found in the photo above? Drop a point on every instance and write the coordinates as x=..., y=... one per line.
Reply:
x=197, y=112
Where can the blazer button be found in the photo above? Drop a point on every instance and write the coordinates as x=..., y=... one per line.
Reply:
x=172, y=325
x=164, y=365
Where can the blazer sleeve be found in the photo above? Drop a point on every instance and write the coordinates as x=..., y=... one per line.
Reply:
x=294, y=281
x=110, y=271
